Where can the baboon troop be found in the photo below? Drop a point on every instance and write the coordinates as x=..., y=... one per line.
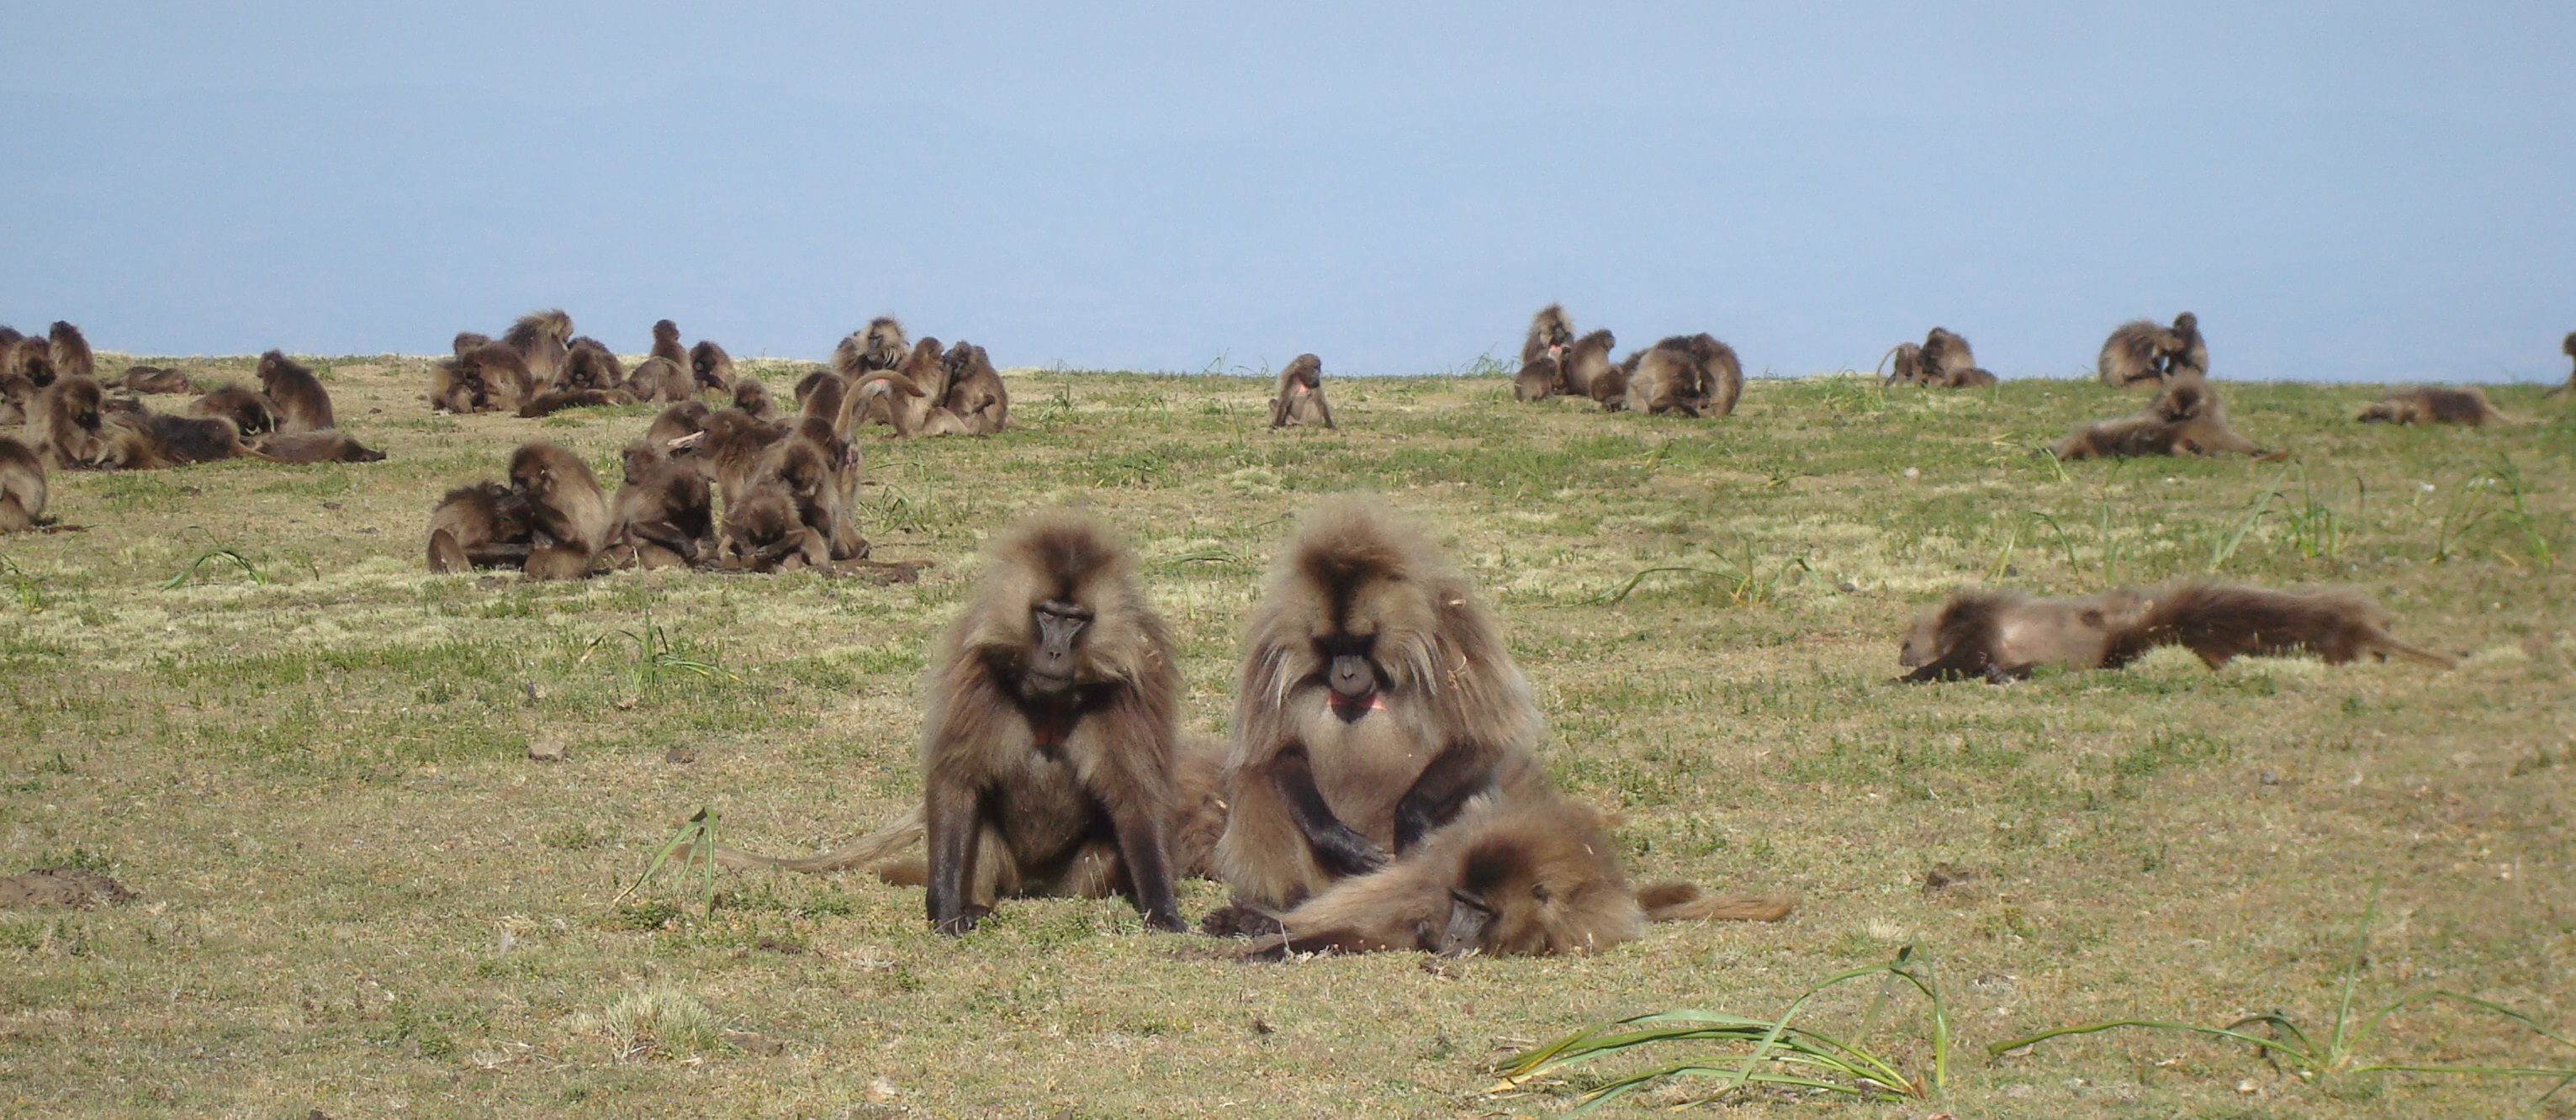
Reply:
x=2427, y=404
x=2002, y=636
x=2140, y=350
x=1942, y=361
x=72, y=422
x=1691, y=375
x=1299, y=397
x=1687, y=375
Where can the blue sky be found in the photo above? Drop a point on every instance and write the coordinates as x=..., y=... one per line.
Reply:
x=2339, y=191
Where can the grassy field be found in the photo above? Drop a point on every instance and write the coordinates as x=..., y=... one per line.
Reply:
x=360, y=895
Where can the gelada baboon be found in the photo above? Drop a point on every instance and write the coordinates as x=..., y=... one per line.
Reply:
x=154, y=440
x=1947, y=363
x=663, y=380
x=822, y=393
x=1538, y=380
x=1376, y=697
x=330, y=446
x=906, y=398
x=2141, y=350
x=547, y=404
x=22, y=487
x=664, y=514
x=480, y=526
x=2568, y=347
x=1908, y=365
x=753, y=397
x=1693, y=375
x=68, y=349
x=1587, y=362
x=1526, y=871
x=813, y=466
x=588, y=364
x=302, y=405
x=2429, y=404
x=9, y=340
x=2185, y=418
x=2002, y=636
x=64, y=422
x=1550, y=332
x=666, y=345
x=248, y=409
x=976, y=394
x=683, y=419
x=542, y=341
x=1609, y=388
x=1300, y=396
x=881, y=345
x=728, y=450
x=762, y=532
x=567, y=514
x=32, y=358
x=156, y=379
x=712, y=367
x=1048, y=745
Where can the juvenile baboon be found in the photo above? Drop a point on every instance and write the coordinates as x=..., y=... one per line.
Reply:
x=567, y=514
x=2001, y=636
x=155, y=440
x=455, y=387
x=1048, y=747
x=1300, y=396
x=1549, y=334
x=1908, y=365
x=156, y=379
x=63, y=424
x=661, y=379
x=2188, y=352
x=22, y=487
x=763, y=534
x=1693, y=375
x=1376, y=698
x=1947, y=363
x=588, y=364
x=712, y=367
x=68, y=350
x=686, y=418
x=541, y=339
x=248, y=409
x=975, y=390
x=753, y=397
x=467, y=342
x=330, y=446
x=812, y=465
x=2429, y=404
x=302, y=405
x=546, y=404
x=666, y=345
x=480, y=526
x=1609, y=387
x=664, y=512
x=1538, y=380
x=1587, y=362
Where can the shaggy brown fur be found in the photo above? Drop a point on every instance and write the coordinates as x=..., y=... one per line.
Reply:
x=1538, y=380
x=2427, y=404
x=880, y=346
x=1908, y=365
x=666, y=346
x=712, y=367
x=302, y=404
x=22, y=487
x=1693, y=375
x=546, y=404
x=976, y=394
x=1947, y=363
x=480, y=526
x=661, y=379
x=589, y=365
x=2001, y=636
x=541, y=339
x=154, y=440
x=567, y=515
x=156, y=379
x=753, y=397
x=331, y=446
x=729, y=450
x=2566, y=346
x=64, y=423
x=821, y=393
x=683, y=419
x=1587, y=361
x=2135, y=352
x=664, y=513
x=1550, y=332
x=248, y=409
x=68, y=349
x=2185, y=418
x=1299, y=398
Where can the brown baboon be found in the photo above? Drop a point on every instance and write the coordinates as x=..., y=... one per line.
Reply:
x=63, y=425
x=2568, y=347
x=1610, y=383
x=1694, y=375
x=155, y=440
x=1587, y=361
x=328, y=446
x=729, y=450
x=2189, y=352
x=467, y=342
x=503, y=375
x=880, y=346
x=2428, y=404
x=546, y=404
x=302, y=405
x=248, y=409
x=661, y=379
x=2184, y=418
x=453, y=387
x=541, y=339
x=567, y=515
x=156, y=379
x=17, y=394
x=848, y=470
x=821, y=393
x=666, y=345
x=2002, y=635
x=1549, y=334
x=480, y=526
x=712, y=367
x=2135, y=352
x=22, y=487
x=664, y=513
x=809, y=466
x=2218, y=622
x=33, y=359
x=9, y=340
x=1538, y=380
x=1908, y=367
x=896, y=400
x=975, y=391
x=1300, y=397
x=2126, y=438
x=1947, y=363
x=1376, y=698
x=753, y=397
x=68, y=349
x=588, y=364
x=763, y=534
x=686, y=418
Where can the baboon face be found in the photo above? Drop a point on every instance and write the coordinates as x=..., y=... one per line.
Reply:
x=1057, y=654
x=1508, y=898
x=1367, y=639
x=1923, y=643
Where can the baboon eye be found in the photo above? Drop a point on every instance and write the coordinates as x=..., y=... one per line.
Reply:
x=1539, y=891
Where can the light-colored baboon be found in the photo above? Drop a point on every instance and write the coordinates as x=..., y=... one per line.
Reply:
x=249, y=409
x=480, y=526
x=1693, y=375
x=2185, y=418
x=64, y=423
x=686, y=418
x=542, y=341
x=2001, y=636
x=2141, y=350
x=880, y=346
x=22, y=487
x=2432, y=404
x=68, y=349
x=822, y=393
x=1376, y=697
x=1550, y=332
x=2190, y=351
x=1299, y=398
x=662, y=380
x=1907, y=368
x=302, y=404
x=712, y=367
x=729, y=450
x=567, y=514
x=328, y=446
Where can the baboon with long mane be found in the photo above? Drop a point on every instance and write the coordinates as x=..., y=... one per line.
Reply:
x=542, y=340
x=1694, y=375
x=68, y=350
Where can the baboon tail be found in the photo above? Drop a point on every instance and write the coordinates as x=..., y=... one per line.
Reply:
x=2419, y=655
x=1682, y=902
x=874, y=848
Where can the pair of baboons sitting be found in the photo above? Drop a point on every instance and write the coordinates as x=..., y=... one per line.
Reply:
x=1381, y=789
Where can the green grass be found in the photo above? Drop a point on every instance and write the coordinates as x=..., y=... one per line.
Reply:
x=360, y=895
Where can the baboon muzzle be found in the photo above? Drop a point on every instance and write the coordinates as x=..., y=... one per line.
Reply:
x=1353, y=678
x=1051, y=665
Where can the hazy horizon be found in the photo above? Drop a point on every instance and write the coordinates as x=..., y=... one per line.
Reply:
x=2339, y=193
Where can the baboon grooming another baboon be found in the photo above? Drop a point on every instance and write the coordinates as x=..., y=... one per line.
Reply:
x=480, y=526
x=2184, y=418
x=567, y=515
x=248, y=409
x=712, y=367
x=22, y=487
x=2428, y=404
x=1694, y=375
x=664, y=513
x=976, y=394
x=302, y=404
x=588, y=364
x=68, y=350
x=1300, y=396
x=155, y=379
x=1947, y=363
x=542, y=341
x=1376, y=697
x=2001, y=636
x=2141, y=350
x=64, y=421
